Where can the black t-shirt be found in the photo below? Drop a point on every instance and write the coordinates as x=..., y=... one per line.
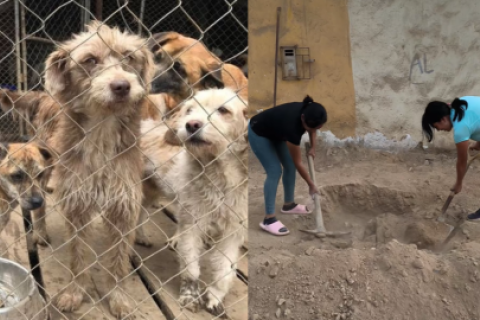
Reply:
x=281, y=123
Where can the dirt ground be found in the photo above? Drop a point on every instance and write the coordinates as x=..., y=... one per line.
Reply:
x=390, y=267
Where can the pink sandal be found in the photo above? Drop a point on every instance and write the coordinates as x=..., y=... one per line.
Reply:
x=298, y=209
x=274, y=228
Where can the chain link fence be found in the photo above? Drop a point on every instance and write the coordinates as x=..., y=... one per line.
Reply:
x=66, y=221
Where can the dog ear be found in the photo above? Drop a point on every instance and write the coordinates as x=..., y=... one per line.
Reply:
x=159, y=39
x=45, y=153
x=148, y=70
x=212, y=79
x=6, y=99
x=55, y=78
x=27, y=103
x=172, y=139
x=3, y=150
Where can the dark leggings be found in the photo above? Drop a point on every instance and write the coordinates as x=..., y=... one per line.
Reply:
x=274, y=155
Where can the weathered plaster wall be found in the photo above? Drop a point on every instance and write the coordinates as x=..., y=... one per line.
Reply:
x=408, y=52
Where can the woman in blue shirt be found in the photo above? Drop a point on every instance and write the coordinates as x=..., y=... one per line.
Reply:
x=463, y=116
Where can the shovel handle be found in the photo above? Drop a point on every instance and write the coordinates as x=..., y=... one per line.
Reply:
x=311, y=167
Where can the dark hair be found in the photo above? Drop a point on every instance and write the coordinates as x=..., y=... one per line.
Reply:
x=314, y=113
x=436, y=110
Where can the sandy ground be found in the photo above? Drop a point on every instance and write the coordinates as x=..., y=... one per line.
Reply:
x=390, y=267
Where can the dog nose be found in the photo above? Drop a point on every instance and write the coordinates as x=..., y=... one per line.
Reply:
x=120, y=87
x=36, y=202
x=193, y=126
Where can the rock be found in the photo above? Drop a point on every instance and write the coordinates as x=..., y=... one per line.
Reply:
x=427, y=162
x=309, y=251
x=273, y=271
x=280, y=302
x=287, y=312
x=417, y=264
x=255, y=317
x=427, y=277
x=278, y=313
x=342, y=244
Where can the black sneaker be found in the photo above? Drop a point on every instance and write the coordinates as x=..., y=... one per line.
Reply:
x=474, y=216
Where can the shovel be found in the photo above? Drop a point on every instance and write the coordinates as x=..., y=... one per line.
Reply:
x=453, y=229
x=320, y=230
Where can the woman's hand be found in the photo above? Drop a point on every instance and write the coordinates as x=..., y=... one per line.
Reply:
x=312, y=190
x=311, y=153
x=457, y=188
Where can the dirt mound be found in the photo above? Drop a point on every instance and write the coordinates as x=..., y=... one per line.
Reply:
x=396, y=280
x=386, y=269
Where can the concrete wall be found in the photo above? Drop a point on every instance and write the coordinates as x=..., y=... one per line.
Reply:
x=321, y=25
x=408, y=52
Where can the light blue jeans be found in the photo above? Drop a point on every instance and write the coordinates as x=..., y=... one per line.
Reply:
x=274, y=155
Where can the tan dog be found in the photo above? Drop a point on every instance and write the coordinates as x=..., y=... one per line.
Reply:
x=210, y=178
x=193, y=65
x=23, y=181
x=101, y=77
x=42, y=114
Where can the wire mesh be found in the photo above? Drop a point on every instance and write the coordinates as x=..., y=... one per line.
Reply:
x=117, y=219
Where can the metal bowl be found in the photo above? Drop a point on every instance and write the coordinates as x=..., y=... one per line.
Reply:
x=19, y=296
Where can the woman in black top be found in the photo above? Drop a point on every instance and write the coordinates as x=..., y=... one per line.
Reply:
x=275, y=136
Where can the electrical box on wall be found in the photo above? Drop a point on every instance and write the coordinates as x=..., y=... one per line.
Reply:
x=295, y=63
x=289, y=62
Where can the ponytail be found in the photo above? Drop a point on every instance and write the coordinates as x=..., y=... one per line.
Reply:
x=306, y=101
x=457, y=105
x=314, y=113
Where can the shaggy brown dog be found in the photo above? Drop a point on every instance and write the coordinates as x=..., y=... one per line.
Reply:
x=101, y=77
x=193, y=65
x=22, y=181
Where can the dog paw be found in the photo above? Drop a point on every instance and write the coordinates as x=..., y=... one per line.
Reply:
x=172, y=245
x=143, y=241
x=190, y=302
x=215, y=307
x=119, y=306
x=190, y=295
x=42, y=240
x=69, y=300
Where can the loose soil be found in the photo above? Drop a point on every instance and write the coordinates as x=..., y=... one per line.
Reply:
x=390, y=267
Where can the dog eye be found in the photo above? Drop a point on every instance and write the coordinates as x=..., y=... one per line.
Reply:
x=189, y=110
x=223, y=110
x=40, y=175
x=127, y=59
x=18, y=176
x=90, y=60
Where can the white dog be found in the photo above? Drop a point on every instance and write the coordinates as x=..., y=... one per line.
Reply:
x=211, y=181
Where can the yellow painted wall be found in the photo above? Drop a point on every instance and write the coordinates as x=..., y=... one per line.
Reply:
x=321, y=25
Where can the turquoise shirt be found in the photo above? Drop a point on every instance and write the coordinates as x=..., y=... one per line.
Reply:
x=469, y=127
